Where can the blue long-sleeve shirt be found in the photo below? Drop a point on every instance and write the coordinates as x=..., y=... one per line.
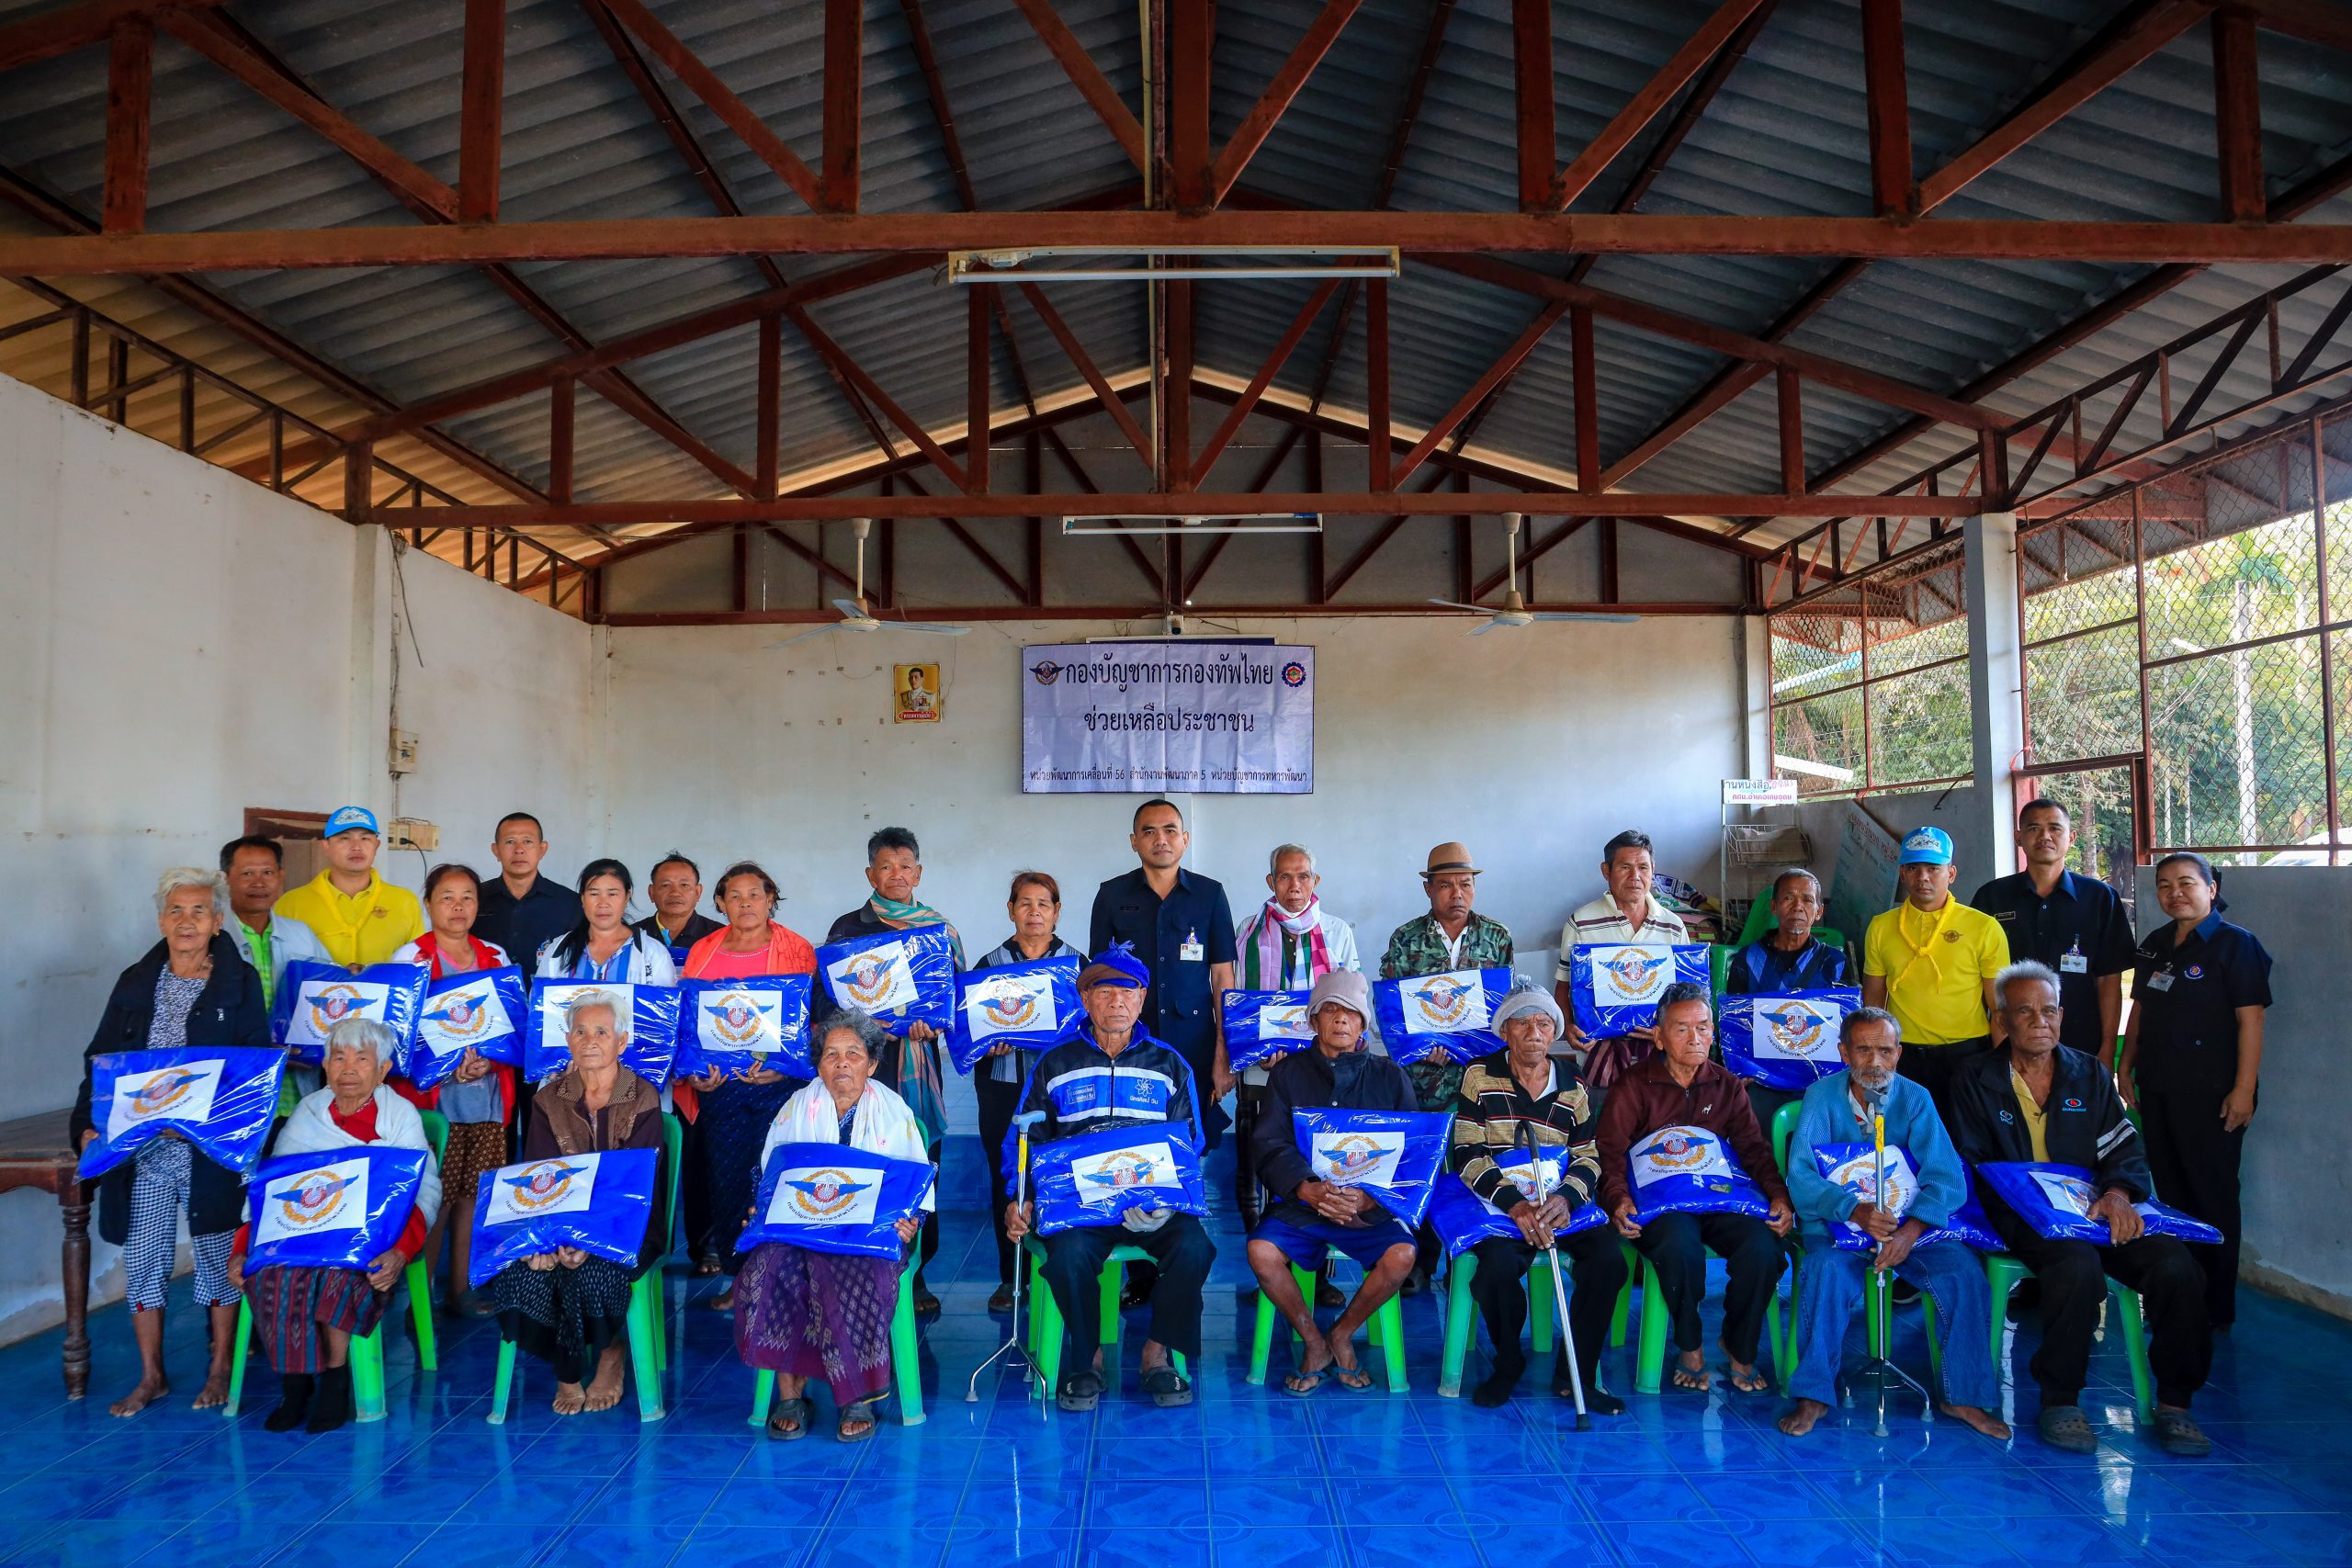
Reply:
x=1829, y=1116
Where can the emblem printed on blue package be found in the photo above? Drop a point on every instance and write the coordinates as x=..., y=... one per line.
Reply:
x=221, y=1098
x=1428, y=1016
x=1615, y=986
x=1784, y=1041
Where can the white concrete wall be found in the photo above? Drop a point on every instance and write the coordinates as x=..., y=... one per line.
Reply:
x=1533, y=745
x=177, y=644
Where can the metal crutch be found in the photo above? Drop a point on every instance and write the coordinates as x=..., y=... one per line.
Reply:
x=1021, y=1123
x=1559, y=1285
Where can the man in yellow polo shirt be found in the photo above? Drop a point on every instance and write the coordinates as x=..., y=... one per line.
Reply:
x=359, y=916
x=1930, y=961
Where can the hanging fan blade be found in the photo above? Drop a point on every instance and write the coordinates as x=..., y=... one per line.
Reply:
x=1453, y=605
x=1482, y=629
x=930, y=629
x=850, y=608
x=1584, y=616
x=811, y=632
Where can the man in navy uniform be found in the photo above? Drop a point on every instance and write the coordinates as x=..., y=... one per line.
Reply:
x=2073, y=923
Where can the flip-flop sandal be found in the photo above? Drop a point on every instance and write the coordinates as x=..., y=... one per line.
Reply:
x=1166, y=1387
x=792, y=1410
x=1751, y=1382
x=1081, y=1392
x=1690, y=1381
x=1352, y=1378
x=1300, y=1384
x=865, y=1410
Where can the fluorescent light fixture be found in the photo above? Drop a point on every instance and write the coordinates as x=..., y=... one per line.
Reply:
x=1131, y=524
x=997, y=266
x=1817, y=770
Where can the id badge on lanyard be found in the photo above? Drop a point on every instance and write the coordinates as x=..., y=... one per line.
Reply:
x=2161, y=980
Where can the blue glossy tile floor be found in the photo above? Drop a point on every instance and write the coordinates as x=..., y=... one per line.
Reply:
x=1246, y=1475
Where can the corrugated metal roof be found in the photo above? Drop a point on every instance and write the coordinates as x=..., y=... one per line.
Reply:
x=1786, y=134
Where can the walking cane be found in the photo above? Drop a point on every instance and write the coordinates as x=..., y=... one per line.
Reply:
x=1559, y=1286
x=1021, y=1123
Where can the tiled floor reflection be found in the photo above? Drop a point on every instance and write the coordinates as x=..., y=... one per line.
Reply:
x=1245, y=1476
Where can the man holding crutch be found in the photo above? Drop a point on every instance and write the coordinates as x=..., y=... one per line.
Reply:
x=1525, y=1085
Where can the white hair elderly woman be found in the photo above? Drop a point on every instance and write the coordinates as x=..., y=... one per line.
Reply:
x=307, y=1316
x=191, y=988
x=565, y=1307
x=805, y=1314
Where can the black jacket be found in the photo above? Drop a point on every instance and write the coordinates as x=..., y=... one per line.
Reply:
x=1082, y=1089
x=2085, y=1127
x=228, y=1012
x=1304, y=1078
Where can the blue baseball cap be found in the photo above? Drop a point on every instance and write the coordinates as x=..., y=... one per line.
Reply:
x=1925, y=846
x=350, y=818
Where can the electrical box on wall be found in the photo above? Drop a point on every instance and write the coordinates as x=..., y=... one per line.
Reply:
x=403, y=752
x=412, y=833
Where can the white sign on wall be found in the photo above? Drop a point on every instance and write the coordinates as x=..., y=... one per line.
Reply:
x=1192, y=718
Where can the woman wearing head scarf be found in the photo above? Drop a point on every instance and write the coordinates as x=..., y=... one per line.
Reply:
x=308, y=1317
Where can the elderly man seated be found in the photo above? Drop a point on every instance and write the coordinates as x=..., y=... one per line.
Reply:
x=1679, y=1086
x=1840, y=1110
x=1115, y=1076
x=1524, y=1094
x=1309, y=1215
x=307, y=1316
x=2033, y=1099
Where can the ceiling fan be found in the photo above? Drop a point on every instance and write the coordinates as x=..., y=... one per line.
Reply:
x=1514, y=610
x=856, y=617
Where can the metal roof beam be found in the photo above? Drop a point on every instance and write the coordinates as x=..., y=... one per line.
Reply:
x=1589, y=165
x=68, y=28
x=1086, y=76
x=1260, y=122
x=721, y=99
x=606, y=238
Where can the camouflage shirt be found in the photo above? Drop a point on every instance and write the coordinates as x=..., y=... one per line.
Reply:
x=1418, y=947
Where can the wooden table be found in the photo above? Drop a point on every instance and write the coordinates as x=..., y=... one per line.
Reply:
x=35, y=1151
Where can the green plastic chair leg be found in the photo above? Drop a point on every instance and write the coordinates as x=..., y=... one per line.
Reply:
x=2002, y=1273
x=644, y=1334
x=1774, y=1341
x=763, y=1395
x=1539, y=1306
x=367, y=1374
x=1624, y=1295
x=1935, y=1346
x=1649, y=1360
x=1111, y=1285
x=2135, y=1348
x=1459, y=1328
x=905, y=1364
x=1046, y=1329
x=420, y=1311
x=503, y=1384
x=1388, y=1333
x=237, y=1358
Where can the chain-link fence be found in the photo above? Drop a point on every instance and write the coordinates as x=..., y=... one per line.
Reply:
x=2195, y=624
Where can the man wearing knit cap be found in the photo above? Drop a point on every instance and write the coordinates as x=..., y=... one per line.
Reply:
x=1115, y=1076
x=1450, y=936
x=1524, y=1086
x=1310, y=1215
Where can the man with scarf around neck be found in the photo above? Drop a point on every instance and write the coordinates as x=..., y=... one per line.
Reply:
x=1310, y=1216
x=1287, y=944
x=1116, y=1075
x=894, y=869
x=1930, y=961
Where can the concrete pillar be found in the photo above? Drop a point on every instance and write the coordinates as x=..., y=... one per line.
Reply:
x=1752, y=650
x=1995, y=687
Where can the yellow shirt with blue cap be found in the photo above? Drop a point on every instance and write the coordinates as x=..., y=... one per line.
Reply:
x=1935, y=963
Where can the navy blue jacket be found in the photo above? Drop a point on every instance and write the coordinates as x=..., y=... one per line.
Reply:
x=228, y=1012
x=1815, y=966
x=1082, y=1088
x=2085, y=1122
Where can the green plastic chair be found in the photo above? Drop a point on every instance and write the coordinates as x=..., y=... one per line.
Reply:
x=1048, y=1328
x=904, y=1367
x=1878, y=1310
x=2002, y=1272
x=367, y=1350
x=1462, y=1315
x=1649, y=1358
x=1386, y=1328
x=649, y=1354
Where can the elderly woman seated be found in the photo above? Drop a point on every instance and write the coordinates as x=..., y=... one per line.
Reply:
x=565, y=1307
x=307, y=1316
x=191, y=989
x=801, y=1313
